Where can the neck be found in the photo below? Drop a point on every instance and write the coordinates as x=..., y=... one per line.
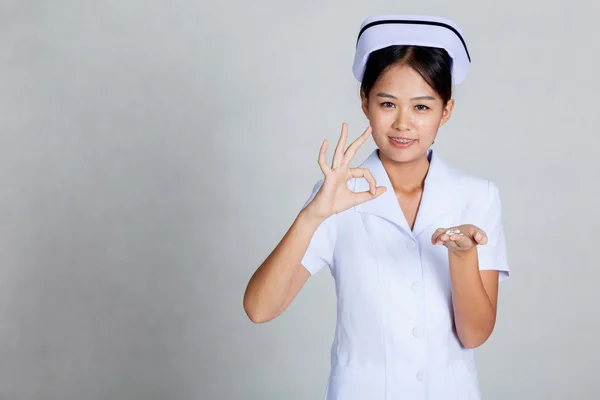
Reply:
x=406, y=176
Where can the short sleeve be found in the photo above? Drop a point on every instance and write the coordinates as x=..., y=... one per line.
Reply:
x=321, y=247
x=492, y=256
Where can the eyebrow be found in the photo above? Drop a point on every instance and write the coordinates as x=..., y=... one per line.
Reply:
x=414, y=98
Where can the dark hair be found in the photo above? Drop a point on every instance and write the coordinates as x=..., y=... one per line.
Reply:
x=433, y=64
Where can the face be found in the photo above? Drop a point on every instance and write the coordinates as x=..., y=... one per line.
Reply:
x=405, y=114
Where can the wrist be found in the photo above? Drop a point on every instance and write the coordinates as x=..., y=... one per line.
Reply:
x=306, y=216
x=463, y=254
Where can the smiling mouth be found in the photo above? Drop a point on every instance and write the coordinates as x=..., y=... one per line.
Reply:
x=402, y=140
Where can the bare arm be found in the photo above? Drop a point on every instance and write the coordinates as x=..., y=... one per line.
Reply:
x=474, y=292
x=474, y=298
x=281, y=276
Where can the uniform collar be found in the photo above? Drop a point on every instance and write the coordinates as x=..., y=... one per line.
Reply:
x=436, y=201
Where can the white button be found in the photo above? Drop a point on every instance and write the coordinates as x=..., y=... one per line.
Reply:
x=411, y=245
x=418, y=331
x=416, y=286
x=421, y=376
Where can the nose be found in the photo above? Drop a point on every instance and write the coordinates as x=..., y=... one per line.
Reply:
x=402, y=121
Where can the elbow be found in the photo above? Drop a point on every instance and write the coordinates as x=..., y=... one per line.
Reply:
x=254, y=312
x=475, y=337
x=256, y=317
x=473, y=342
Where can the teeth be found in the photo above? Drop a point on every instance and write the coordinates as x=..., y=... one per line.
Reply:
x=399, y=140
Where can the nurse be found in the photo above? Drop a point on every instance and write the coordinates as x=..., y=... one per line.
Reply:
x=416, y=247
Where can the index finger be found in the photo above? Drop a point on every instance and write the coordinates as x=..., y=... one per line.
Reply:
x=353, y=148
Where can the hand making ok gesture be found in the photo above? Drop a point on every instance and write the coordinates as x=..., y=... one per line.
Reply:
x=334, y=196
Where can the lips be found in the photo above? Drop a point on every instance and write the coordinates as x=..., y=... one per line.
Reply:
x=401, y=142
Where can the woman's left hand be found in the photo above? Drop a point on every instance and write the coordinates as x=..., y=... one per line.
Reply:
x=459, y=238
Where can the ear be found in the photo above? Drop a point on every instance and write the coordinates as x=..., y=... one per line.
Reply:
x=365, y=104
x=447, y=112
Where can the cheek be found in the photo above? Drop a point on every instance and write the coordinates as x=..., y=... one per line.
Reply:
x=381, y=122
x=379, y=135
x=381, y=117
x=427, y=124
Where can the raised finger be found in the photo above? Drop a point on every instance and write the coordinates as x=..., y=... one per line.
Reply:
x=338, y=155
x=365, y=173
x=322, y=158
x=353, y=148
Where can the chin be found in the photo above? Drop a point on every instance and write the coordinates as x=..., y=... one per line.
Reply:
x=402, y=155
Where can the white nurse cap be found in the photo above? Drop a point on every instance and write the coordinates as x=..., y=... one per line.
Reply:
x=416, y=30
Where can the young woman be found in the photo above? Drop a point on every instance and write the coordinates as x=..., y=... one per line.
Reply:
x=416, y=247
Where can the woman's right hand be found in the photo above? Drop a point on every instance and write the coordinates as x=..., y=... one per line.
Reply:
x=334, y=196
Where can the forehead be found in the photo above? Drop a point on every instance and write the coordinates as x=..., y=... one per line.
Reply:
x=403, y=79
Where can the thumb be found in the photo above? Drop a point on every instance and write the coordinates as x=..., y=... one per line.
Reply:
x=480, y=237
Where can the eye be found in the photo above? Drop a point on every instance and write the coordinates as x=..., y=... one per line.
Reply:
x=387, y=104
x=422, y=107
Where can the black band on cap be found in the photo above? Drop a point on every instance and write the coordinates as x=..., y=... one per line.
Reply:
x=414, y=22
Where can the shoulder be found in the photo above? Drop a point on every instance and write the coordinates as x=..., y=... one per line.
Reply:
x=477, y=190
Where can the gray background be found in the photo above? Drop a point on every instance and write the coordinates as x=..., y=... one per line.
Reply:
x=152, y=154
